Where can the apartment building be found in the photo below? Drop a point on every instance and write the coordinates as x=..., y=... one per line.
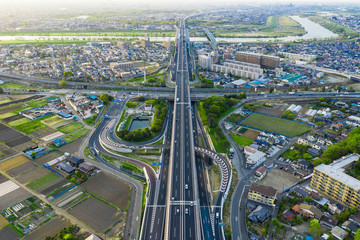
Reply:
x=265, y=61
x=247, y=70
x=332, y=181
x=262, y=194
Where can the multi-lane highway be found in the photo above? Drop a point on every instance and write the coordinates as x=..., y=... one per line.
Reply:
x=182, y=206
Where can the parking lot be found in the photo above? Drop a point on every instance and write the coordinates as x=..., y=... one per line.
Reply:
x=279, y=179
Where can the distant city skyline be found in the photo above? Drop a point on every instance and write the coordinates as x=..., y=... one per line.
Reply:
x=165, y=3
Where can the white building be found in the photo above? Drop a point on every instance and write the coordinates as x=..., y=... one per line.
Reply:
x=247, y=70
x=205, y=61
x=253, y=156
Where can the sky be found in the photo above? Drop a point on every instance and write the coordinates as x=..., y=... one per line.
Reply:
x=104, y=5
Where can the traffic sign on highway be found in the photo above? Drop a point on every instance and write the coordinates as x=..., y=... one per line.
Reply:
x=154, y=163
x=159, y=163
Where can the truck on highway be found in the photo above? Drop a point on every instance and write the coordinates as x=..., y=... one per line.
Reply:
x=291, y=93
x=94, y=151
x=31, y=90
x=231, y=153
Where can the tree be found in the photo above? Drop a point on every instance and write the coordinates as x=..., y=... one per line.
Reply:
x=68, y=74
x=1, y=91
x=63, y=83
x=104, y=98
x=357, y=235
x=315, y=228
x=271, y=90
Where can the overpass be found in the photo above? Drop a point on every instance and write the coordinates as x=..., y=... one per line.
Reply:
x=211, y=38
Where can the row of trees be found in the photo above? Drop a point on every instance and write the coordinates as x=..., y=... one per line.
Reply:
x=160, y=111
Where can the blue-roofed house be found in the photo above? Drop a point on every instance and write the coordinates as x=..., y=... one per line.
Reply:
x=59, y=142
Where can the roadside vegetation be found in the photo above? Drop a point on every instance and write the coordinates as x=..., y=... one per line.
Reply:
x=211, y=110
x=351, y=144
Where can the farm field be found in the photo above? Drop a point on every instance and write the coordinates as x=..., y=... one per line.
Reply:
x=31, y=175
x=70, y=127
x=49, y=228
x=274, y=124
x=13, y=85
x=8, y=233
x=96, y=214
x=72, y=147
x=54, y=121
x=13, y=162
x=15, y=196
x=76, y=135
x=108, y=188
x=48, y=157
x=28, y=166
x=44, y=181
x=3, y=222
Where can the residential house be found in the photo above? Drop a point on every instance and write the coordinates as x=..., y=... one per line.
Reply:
x=339, y=233
x=260, y=172
x=335, y=207
x=300, y=192
x=329, y=222
x=307, y=210
x=66, y=168
x=288, y=215
x=75, y=162
x=259, y=215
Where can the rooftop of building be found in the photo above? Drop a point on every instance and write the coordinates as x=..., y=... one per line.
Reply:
x=265, y=190
x=336, y=170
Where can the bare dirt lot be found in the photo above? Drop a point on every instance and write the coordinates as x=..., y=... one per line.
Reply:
x=12, y=118
x=24, y=145
x=71, y=147
x=51, y=188
x=108, y=188
x=50, y=228
x=8, y=234
x=9, y=109
x=43, y=132
x=277, y=110
x=29, y=176
x=13, y=162
x=279, y=179
x=6, y=151
x=18, y=141
x=8, y=134
x=250, y=134
x=3, y=222
x=96, y=214
x=2, y=179
x=13, y=197
x=48, y=157
x=28, y=166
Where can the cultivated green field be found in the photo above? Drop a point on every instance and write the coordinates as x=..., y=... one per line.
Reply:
x=44, y=181
x=276, y=125
x=241, y=141
x=76, y=135
x=70, y=127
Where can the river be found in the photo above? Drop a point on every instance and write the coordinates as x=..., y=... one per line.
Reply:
x=313, y=31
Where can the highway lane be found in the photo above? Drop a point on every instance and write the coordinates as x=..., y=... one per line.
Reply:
x=183, y=220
